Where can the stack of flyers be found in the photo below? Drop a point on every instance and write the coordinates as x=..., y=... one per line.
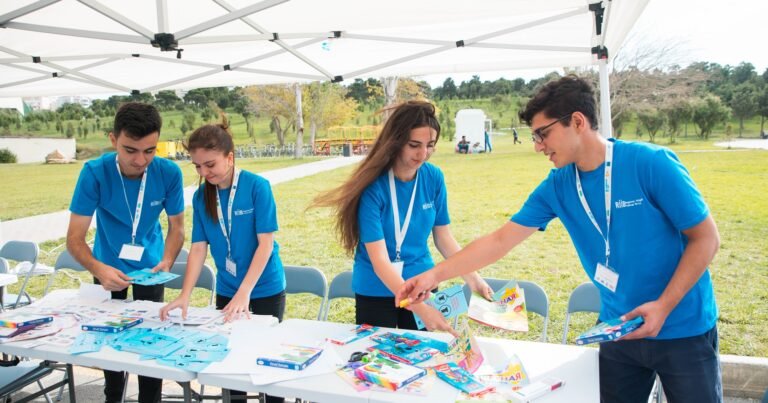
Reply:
x=506, y=311
x=147, y=277
x=407, y=348
x=290, y=356
x=112, y=324
x=461, y=379
x=389, y=374
x=613, y=329
x=354, y=334
x=451, y=302
x=16, y=320
x=88, y=342
x=419, y=387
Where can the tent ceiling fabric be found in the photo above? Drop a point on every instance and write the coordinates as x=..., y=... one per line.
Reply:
x=69, y=47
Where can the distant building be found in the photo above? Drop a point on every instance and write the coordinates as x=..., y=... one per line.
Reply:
x=74, y=99
x=39, y=103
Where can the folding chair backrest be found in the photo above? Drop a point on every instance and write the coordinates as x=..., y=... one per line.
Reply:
x=341, y=287
x=64, y=261
x=183, y=256
x=299, y=279
x=4, y=265
x=536, y=299
x=21, y=251
x=584, y=298
x=206, y=280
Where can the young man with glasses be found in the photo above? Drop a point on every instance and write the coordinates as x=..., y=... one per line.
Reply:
x=618, y=200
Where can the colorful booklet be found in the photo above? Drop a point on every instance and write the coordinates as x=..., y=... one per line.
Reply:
x=354, y=334
x=451, y=302
x=290, y=356
x=464, y=349
x=461, y=379
x=388, y=373
x=146, y=277
x=613, y=329
x=407, y=348
x=506, y=311
x=112, y=324
x=16, y=320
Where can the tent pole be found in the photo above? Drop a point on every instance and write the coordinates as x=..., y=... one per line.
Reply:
x=297, y=151
x=606, y=129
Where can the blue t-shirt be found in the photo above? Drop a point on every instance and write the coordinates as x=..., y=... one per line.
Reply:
x=253, y=212
x=100, y=190
x=430, y=209
x=654, y=199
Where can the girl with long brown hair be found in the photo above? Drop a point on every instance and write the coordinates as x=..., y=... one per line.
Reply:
x=385, y=213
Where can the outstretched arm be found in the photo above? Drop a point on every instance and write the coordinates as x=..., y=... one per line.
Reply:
x=476, y=255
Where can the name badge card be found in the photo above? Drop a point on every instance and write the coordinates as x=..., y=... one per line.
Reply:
x=131, y=252
x=606, y=277
x=398, y=266
x=231, y=267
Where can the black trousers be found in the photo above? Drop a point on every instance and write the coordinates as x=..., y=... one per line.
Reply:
x=381, y=311
x=150, y=389
x=273, y=305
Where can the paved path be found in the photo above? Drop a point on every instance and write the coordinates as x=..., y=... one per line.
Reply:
x=756, y=143
x=51, y=226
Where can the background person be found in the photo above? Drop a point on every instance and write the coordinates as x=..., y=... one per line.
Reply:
x=128, y=189
x=385, y=213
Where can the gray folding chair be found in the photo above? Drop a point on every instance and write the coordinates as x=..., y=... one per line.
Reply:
x=536, y=299
x=341, y=287
x=299, y=279
x=16, y=377
x=584, y=298
x=65, y=261
x=207, y=279
x=183, y=256
x=21, y=251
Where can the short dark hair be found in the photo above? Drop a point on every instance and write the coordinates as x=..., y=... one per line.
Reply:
x=137, y=120
x=561, y=98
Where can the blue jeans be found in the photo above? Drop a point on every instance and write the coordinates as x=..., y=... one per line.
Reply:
x=689, y=369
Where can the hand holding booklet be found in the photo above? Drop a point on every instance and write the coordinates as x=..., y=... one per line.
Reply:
x=613, y=329
x=147, y=277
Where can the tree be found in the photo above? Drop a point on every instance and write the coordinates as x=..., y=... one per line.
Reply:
x=166, y=100
x=325, y=105
x=708, y=112
x=744, y=103
x=276, y=101
x=678, y=112
x=70, y=130
x=651, y=119
x=448, y=90
x=188, y=118
x=408, y=89
x=762, y=101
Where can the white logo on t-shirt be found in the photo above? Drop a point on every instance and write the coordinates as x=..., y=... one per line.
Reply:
x=427, y=206
x=155, y=203
x=243, y=212
x=628, y=203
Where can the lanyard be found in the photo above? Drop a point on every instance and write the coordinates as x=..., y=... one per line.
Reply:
x=607, y=188
x=228, y=231
x=139, y=203
x=400, y=233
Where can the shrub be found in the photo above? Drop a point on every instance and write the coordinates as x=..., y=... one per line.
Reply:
x=7, y=156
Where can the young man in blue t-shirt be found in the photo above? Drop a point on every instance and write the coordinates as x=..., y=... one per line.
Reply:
x=128, y=190
x=618, y=201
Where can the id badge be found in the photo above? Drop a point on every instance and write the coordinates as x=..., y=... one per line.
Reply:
x=398, y=266
x=231, y=267
x=131, y=252
x=606, y=277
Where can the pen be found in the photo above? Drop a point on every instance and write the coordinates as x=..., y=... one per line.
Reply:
x=404, y=302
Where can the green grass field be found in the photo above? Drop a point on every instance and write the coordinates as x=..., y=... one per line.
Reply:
x=486, y=189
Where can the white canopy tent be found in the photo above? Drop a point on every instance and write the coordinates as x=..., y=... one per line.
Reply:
x=65, y=47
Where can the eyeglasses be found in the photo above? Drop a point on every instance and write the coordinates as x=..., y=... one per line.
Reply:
x=538, y=135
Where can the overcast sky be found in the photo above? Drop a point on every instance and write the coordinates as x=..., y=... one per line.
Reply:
x=725, y=32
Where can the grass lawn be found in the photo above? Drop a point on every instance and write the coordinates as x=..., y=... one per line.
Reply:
x=485, y=190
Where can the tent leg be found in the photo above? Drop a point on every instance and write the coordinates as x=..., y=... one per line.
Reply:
x=606, y=128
